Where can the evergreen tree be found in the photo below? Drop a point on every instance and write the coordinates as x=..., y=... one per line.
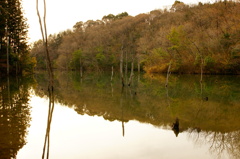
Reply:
x=14, y=53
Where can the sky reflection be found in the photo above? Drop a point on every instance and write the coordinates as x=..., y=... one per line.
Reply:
x=77, y=136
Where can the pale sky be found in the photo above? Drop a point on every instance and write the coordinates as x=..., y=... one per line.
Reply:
x=63, y=14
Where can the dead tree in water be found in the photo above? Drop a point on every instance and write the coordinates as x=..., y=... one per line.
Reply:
x=122, y=116
x=132, y=73
x=43, y=28
x=202, y=62
x=112, y=75
x=168, y=73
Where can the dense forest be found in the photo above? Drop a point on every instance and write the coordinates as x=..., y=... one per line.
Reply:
x=185, y=39
x=14, y=50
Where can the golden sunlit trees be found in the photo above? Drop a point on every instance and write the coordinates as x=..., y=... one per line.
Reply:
x=65, y=50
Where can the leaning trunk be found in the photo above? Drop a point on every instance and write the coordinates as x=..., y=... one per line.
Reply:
x=168, y=74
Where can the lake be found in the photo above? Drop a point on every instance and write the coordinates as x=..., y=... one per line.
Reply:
x=96, y=118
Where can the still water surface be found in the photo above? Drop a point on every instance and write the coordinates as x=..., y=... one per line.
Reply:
x=94, y=118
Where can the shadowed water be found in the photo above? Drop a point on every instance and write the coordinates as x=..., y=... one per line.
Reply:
x=97, y=118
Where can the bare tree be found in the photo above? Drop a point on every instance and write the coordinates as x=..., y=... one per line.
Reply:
x=43, y=27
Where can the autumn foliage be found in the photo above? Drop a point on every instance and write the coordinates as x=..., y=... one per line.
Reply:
x=188, y=37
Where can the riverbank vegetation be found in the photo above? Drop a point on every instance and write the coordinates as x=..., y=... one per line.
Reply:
x=183, y=39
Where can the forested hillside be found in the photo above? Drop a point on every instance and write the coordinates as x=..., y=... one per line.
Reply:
x=187, y=38
x=14, y=51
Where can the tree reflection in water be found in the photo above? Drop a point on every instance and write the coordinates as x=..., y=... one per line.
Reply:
x=175, y=127
x=49, y=120
x=219, y=142
x=121, y=105
x=214, y=118
x=43, y=28
x=14, y=116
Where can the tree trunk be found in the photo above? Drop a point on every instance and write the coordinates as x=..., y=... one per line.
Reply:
x=121, y=66
x=112, y=74
x=81, y=70
x=7, y=50
x=132, y=73
x=7, y=56
x=121, y=105
x=43, y=28
x=168, y=74
x=126, y=64
x=202, y=62
x=139, y=67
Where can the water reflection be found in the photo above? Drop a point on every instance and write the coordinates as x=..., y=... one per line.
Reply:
x=219, y=142
x=14, y=115
x=175, y=127
x=207, y=111
x=121, y=105
x=49, y=121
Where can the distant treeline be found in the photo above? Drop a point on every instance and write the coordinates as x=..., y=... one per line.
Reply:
x=14, y=50
x=190, y=38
